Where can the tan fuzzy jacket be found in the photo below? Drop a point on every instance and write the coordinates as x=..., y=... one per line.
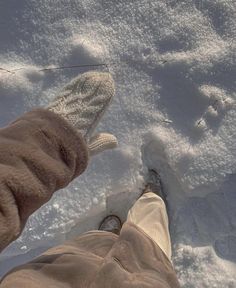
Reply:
x=39, y=154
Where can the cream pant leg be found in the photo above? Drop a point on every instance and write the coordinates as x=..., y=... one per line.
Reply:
x=149, y=214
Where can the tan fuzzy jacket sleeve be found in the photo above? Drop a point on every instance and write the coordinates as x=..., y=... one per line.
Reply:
x=39, y=154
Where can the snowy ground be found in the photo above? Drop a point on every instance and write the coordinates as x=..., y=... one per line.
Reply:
x=174, y=65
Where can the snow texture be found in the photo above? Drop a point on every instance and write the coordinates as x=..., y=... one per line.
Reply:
x=174, y=63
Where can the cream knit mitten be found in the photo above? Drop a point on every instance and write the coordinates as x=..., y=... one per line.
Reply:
x=82, y=103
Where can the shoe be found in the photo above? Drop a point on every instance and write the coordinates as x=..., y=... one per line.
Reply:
x=154, y=185
x=112, y=224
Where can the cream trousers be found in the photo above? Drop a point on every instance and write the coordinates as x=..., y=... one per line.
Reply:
x=149, y=214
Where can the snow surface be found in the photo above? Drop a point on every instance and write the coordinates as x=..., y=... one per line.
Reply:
x=174, y=63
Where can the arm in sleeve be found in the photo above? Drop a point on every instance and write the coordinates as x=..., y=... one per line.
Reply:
x=39, y=153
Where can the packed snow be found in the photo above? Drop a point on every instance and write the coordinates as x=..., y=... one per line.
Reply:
x=174, y=64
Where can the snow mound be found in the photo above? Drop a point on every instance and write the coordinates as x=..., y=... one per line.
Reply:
x=86, y=51
x=17, y=83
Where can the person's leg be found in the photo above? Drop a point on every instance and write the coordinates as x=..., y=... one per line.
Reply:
x=149, y=214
